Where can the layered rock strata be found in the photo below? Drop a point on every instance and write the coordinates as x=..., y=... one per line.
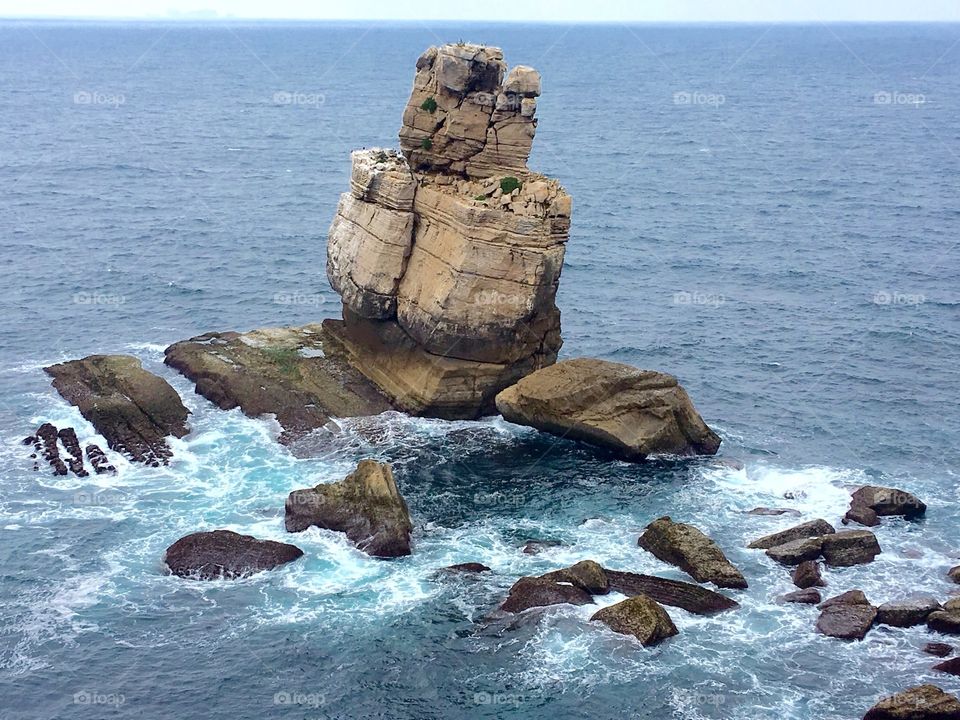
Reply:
x=447, y=257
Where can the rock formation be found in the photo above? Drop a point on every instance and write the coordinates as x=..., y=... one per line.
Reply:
x=640, y=616
x=886, y=501
x=528, y=592
x=693, y=552
x=133, y=409
x=224, y=554
x=447, y=256
x=814, y=528
x=366, y=505
x=850, y=547
x=676, y=593
x=807, y=596
x=807, y=575
x=615, y=406
x=848, y=616
x=907, y=613
x=923, y=702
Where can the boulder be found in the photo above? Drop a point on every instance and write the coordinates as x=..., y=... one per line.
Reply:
x=861, y=514
x=470, y=567
x=938, y=649
x=848, y=616
x=808, y=596
x=366, y=505
x=906, y=613
x=954, y=574
x=812, y=529
x=952, y=605
x=614, y=406
x=586, y=574
x=693, y=552
x=886, y=501
x=850, y=547
x=951, y=666
x=797, y=551
x=923, y=702
x=528, y=592
x=687, y=596
x=294, y=374
x=944, y=621
x=639, y=616
x=807, y=575
x=133, y=409
x=224, y=554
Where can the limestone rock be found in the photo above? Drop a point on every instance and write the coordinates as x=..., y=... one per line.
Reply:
x=886, y=501
x=693, y=552
x=366, y=505
x=906, y=613
x=815, y=528
x=850, y=547
x=294, y=374
x=133, y=409
x=530, y=592
x=807, y=575
x=797, y=551
x=923, y=702
x=224, y=554
x=687, y=596
x=639, y=616
x=632, y=412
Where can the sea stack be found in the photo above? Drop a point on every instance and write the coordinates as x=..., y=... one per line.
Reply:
x=447, y=255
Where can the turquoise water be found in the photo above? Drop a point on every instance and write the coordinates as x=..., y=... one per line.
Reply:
x=768, y=213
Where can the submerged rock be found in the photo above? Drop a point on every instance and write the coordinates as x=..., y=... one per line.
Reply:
x=850, y=547
x=951, y=666
x=684, y=595
x=906, y=613
x=886, y=501
x=366, y=505
x=528, y=592
x=294, y=374
x=808, y=596
x=923, y=702
x=470, y=567
x=133, y=409
x=772, y=511
x=812, y=529
x=807, y=575
x=937, y=649
x=535, y=547
x=693, y=552
x=639, y=616
x=614, y=406
x=224, y=554
x=848, y=616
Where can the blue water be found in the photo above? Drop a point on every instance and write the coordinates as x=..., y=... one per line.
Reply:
x=770, y=213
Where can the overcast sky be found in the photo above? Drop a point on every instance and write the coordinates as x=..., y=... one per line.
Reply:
x=510, y=10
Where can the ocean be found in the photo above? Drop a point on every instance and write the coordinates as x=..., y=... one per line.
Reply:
x=768, y=212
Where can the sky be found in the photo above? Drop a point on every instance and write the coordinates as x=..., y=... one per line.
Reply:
x=501, y=10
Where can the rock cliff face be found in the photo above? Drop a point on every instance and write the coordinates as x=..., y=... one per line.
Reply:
x=447, y=256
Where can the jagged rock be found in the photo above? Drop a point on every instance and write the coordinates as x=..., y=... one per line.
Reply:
x=797, y=551
x=848, y=616
x=906, y=613
x=807, y=596
x=687, y=596
x=99, y=460
x=226, y=554
x=470, y=567
x=693, y=552
x=923, y=702
x=850, y=547
x=807, y=575
x=861, y=514
x=937, y=649
x=45, y=443
x=944, y=621
x=618, y=407
x=639, y=616
x=290, y=373
x=889, y=501
x=528, y=592
x=951, y=666
x=586, y=574
x=814, y=528
x=772, y=511
x=133, y=409
x=366, y=505
x=68, y=438
x=954, y=574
